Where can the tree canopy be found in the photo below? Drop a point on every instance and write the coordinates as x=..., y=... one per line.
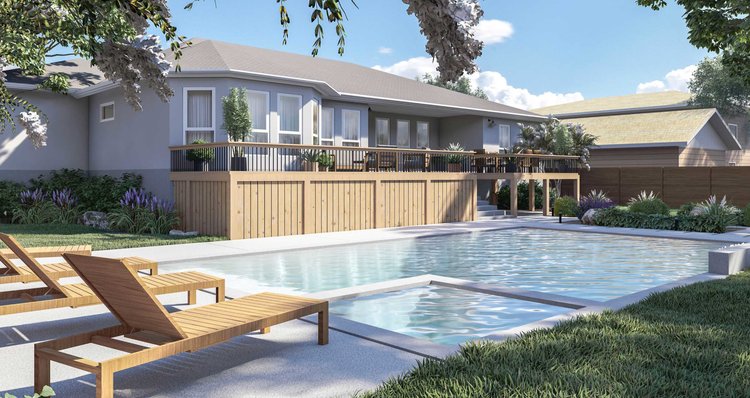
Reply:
x=722, y=27
x=462, y=85
x=715, y=87
x=557, y=138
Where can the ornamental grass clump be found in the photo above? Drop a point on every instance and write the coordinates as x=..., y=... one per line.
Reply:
x=141, y=212
x=721, y=210
x=594, y=200
x=648, y=203
x=33, y=208
x=66, y=209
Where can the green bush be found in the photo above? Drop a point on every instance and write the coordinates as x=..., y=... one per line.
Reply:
x=618, y=217
x=685, y=209
x=648, y=204
x=45, y=393
x=503, y=196
x=746, y=216
x=97, y=193
x=566, y=206
x=9, y=193
x=200, y=155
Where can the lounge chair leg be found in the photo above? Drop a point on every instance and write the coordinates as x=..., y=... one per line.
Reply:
x=220, y=293
x=105, y=384
x=154, y=270
x=41, y=372
x=192, y=296
x=265, y=330
x=323, y=327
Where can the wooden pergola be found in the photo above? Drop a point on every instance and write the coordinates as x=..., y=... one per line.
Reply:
x=514, y=178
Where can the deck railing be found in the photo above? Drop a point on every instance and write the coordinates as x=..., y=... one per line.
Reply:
x=291, y=157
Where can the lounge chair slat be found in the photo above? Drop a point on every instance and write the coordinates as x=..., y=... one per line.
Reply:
x=119, y=345
x=57, y=251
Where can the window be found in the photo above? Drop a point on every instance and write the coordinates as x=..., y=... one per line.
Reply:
x=423, y=135
x=290, y=118
x=734, y=129
x=326, y=131
x=107, y=112
x=257, y=102
x=199, y=114
x=350, y=127
x=383, y=131
x=402, y=133
x=504, y=136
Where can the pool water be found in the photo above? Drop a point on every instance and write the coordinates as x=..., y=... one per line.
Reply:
x=584, y=265
x=442, y=315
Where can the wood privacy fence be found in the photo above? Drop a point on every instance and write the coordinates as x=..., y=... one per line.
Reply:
x=675, y=185
x=242, y=205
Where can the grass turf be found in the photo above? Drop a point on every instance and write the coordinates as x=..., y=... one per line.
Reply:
x=60, y=235
x=693, y=341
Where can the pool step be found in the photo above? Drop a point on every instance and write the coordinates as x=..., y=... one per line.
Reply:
x=482, y=202
x=486, y=207
x=492, y=213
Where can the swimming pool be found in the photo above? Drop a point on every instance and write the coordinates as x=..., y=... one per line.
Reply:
x=585, y=265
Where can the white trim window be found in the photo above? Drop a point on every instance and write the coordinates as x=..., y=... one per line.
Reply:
x=259, y=104
x=199, y=114
x=403, y=134
x=326, y=128
x=289, y=111
x=350, y=127
x=107, y=112
x=316, y=122
x=423, y=134
x=734, y=129
x=504, y=132
x=383, y=130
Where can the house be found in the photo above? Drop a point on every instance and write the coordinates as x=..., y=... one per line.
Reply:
x=294, y=99
x=657, y=129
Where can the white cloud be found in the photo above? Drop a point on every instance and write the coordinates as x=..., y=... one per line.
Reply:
x=494, y=84
x=492, y=31
x=677, y=79
x=385, y=50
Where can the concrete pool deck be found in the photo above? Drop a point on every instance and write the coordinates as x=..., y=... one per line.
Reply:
x=286, y=362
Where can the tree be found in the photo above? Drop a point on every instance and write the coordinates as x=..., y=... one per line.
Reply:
x=719, y=26
x=112, y=35
x=557, y=138
x=236, y=115
x=462, y=85
x=713, y=86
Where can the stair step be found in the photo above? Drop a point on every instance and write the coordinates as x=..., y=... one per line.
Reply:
x=491, y=213
x=486, y=207
x=482, y=202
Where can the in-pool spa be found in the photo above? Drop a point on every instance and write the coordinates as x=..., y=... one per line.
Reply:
x=583, y=265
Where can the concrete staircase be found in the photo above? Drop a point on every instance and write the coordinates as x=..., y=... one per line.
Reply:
x=486, y=211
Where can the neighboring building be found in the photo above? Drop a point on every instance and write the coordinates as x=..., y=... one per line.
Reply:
x=657, y=129
x=293, y=98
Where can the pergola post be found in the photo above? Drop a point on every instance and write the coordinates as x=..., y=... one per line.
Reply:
x=577, y=188
x=545, y=200
x=513, y=196
x=532, y=195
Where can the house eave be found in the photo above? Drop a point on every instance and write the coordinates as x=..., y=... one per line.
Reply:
x=678, y=144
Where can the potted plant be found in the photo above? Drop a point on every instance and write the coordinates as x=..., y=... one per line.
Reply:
x=309, y=158
x=237, y=124
x=325, y=161
x=200, y=156
x=454, y=159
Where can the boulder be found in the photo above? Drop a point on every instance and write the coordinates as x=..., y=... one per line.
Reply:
x=588, y=217
x=698, y=211
x=177, y=232
x=96, y=219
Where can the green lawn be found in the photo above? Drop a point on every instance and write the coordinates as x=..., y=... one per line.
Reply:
x=689, y=342
x=57, y=235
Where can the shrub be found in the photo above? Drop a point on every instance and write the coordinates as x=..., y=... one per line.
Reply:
x=594, y=200
x=66, y=209
x=33, y=208
x=141, y=212
x=325, y=160
x=98, y=193
x=9, y=194
x=503, y=196
x=200, y=155
x=617, y=217
x=648, y=203
x=454, y=157
x=45, y=393
x=686, y=209
x=746, y=216
x=565, y=206
x=720, y=209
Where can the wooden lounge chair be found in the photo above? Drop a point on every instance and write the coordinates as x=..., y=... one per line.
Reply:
x=144, y=319
x=13, y=273
x=56, y=295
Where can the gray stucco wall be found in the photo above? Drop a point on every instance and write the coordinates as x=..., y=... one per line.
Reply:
x=67, y=142
x=707, y=138
x=469, y=130
x=393, y=122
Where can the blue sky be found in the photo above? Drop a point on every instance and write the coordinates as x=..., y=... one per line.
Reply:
x=566, y=49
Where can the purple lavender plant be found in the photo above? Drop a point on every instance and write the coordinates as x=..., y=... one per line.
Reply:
x=64, y=199
x=594, y=200
x=31, y=198
x=135, y=198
